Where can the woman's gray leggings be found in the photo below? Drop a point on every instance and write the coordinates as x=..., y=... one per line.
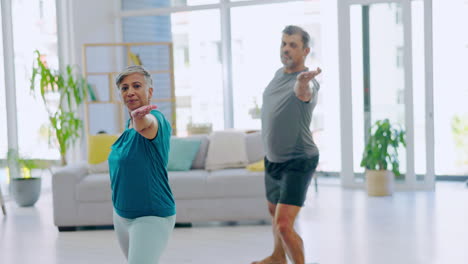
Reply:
x=143, y=239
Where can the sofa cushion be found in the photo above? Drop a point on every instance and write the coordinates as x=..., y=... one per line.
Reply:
x=230, y=183
x=102, y=167
x=226, y=150
x=254, y=147
x=200, y=158
x=94, y=188
x=188, y=184
x=182, y=153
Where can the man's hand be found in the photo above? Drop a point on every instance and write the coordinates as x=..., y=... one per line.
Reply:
x=302, y=88
x=141, y=112
x=305, y=77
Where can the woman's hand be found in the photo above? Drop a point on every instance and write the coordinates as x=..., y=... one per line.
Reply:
x=141, y=112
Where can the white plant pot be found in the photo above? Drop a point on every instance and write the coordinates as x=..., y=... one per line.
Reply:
x=380, y=182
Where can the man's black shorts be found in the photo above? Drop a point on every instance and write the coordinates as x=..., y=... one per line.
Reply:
x=287, y=182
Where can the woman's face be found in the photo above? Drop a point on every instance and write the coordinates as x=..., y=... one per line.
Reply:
x=135, y=92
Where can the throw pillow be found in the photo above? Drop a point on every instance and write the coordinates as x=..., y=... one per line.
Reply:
x=200, y=158
x=99, y=147
x=254, y=147
x=257, y=166
x=182, y=153
x=226, y=150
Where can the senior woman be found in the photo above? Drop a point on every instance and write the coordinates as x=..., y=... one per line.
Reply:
x=144, y=208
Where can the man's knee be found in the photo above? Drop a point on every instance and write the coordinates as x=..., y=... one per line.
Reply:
x=284, y=226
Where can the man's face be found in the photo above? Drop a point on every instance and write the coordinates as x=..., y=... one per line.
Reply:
x=292, y=50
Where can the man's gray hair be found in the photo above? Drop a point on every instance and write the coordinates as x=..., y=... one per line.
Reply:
x=131, y=70
x=291, y=30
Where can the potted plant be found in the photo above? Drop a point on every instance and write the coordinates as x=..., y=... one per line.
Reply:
x=255, y=112
x=25, y=185
x=199, y=128
x=62, y=94
x=380, y=157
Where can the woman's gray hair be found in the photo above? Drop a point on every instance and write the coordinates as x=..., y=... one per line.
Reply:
x=131, y=70
x=291, y=30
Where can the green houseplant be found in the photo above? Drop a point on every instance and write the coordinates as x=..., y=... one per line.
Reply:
x=380, y=157
x=62, y=94
x=460, y=136
x=25, y=184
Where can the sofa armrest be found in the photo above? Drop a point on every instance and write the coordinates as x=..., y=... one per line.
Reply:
x=64, y=181
x=75, y=171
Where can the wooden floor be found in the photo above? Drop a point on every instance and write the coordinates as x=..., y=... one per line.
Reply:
x=338, y=226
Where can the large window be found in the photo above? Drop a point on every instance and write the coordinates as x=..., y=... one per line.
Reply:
x=255, y=30
x=33, y=20
x=411, y=106
x=3, y=119
x=145, y=4
x=198, y=71
x=255, y=43
x=380, y=95
x=450, y=87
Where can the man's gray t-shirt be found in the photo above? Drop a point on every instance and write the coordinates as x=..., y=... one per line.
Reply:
x=286, y=119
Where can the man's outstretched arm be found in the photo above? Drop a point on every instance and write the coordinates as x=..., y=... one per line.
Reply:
x=302, y=88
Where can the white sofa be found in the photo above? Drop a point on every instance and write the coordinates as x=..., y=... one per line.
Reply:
x=237, y=194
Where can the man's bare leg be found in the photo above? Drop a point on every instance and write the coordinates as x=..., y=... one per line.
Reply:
x=285, y=217
x=278, y=256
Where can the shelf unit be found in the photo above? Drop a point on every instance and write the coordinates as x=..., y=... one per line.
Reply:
x=102, y=62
